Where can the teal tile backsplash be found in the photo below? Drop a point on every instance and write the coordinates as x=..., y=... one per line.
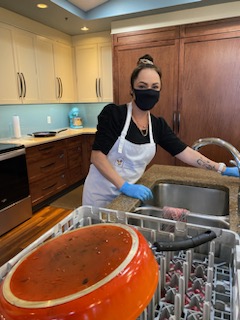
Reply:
x=34, y=117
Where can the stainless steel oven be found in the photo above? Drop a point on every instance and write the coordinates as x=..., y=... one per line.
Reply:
x=15, y=201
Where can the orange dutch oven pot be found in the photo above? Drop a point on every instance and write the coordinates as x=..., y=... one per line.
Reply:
x=102, y=271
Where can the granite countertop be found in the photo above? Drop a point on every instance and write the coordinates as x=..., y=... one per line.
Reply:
x=29, y=141
x=190, y=176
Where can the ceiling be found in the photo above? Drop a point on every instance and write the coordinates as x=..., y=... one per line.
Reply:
x=87, y=5
x=69, y=16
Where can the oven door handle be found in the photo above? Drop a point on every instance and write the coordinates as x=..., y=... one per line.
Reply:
x=12, y=154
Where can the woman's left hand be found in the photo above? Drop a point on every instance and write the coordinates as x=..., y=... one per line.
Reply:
x=231, y=171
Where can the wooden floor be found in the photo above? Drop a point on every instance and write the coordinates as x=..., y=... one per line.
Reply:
x=20, y=237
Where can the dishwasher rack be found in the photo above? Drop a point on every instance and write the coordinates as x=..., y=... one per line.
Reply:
x=196, y=284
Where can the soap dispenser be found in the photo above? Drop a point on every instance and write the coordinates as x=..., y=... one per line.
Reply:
x=75, y=119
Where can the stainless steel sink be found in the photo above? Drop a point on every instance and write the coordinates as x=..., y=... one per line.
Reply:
x=207, y=206
x=197, y=199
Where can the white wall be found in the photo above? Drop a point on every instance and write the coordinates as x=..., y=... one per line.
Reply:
x=208, y=13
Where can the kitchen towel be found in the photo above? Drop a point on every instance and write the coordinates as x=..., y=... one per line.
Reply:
x=176, y=214
x=16, y=127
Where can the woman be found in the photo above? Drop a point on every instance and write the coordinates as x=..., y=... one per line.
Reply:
x=126, y=141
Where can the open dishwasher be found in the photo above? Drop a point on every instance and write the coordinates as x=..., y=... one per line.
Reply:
x=194, y=284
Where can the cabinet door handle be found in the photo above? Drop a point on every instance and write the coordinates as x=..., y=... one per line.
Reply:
x=24, y=85
x=96, y=87
x=99, y=88
x=178, y=121
x=61, y=87
x=20, y=85
x=58, y=88
x=174, y=121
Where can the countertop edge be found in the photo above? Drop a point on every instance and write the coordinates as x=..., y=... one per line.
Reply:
x=29, y=141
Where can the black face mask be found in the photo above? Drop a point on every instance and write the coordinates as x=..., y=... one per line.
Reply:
x=146, y=99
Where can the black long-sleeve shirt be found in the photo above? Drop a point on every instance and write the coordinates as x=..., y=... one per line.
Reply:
x=111, y=121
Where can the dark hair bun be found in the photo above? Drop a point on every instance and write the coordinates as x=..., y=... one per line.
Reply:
x=146, y=59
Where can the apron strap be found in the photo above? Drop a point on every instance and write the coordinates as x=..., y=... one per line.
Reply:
x=125, y=128
x=150, y=128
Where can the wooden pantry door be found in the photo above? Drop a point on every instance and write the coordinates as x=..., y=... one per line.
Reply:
x=209, y=95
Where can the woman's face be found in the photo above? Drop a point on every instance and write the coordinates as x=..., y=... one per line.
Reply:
x=146, y=89
x=148, y=79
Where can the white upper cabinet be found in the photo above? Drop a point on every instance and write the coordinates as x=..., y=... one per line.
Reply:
x=38, y=69
x=46, y=70
x=8, y=75
x=87, y=73
x=18, y=78
x=55, y=71
x=34, y=69
x=94, y=70
x=27, y=69
x=65, y=84
x=105, y=69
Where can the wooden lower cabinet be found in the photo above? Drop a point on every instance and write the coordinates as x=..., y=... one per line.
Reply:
x=89, y=139
x=46, y=165
x=55, y=166
x=48, y=186
x=75, y=163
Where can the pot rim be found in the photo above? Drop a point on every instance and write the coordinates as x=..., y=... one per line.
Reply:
x=12, y=299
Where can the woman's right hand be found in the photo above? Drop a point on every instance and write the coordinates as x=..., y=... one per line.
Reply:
x=137, y=191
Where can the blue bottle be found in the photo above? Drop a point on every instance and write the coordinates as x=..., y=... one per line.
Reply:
x=75, y=119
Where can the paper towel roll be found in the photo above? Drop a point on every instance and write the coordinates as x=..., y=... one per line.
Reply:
x=16, y=127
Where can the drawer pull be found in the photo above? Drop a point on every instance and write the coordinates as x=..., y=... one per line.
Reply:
x=49, y=187
x=48, y=165
x=45, y=148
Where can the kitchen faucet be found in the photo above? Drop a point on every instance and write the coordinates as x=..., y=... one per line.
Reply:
x=219, y=142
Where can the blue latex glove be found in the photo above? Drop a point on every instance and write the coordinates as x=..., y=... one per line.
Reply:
x=231, y=171
x=136, y=191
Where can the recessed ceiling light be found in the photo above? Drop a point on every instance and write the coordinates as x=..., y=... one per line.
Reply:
x=42, y=5
x=84, y=28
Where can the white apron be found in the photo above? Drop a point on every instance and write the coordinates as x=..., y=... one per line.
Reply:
x=127, y=158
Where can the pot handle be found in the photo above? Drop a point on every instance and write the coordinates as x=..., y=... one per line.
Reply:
x=61, y=130
x=187, y=243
